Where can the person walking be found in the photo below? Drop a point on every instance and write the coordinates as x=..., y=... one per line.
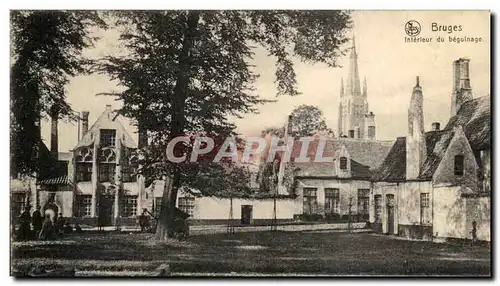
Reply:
x=37, y=221
x=48, y=230
x=144, y=221
x=60, y=224
x=25, y=220
x=474, y=232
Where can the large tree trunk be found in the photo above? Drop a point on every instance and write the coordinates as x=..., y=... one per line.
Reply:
x=167, y=211
x=167, y=214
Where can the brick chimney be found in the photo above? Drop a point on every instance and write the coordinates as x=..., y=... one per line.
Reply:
x=54, y=117
x=435, y=126
x=85, y=123
x=462, y=90
x=415, y=140
x=289, y=125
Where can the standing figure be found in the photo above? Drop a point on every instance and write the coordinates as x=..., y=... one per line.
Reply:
x=25, y=219
x=49, y=213
x=48, y=230
x=60, y=224
x=144, y=221
x=474, y=232
x=37, y=221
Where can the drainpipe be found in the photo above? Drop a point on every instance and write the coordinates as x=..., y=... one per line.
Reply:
x=432, y=213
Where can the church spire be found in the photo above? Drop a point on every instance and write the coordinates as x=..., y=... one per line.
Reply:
x=353, y=84
x=341, y=87
x=365, y=87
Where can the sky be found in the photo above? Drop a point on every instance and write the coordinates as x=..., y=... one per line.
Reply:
x=389, y=64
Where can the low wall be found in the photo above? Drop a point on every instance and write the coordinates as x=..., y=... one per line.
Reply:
x=454, y=214
x=422, y=232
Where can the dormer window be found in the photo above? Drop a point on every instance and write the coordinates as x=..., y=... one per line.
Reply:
x=343, y=163
x=108, y=138
x=459, y=165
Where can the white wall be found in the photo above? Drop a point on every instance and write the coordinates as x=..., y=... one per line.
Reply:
x=347, y=189
x=479, y=210
x=218, y=208
x=449, y=216
x=406, y=202
x=454, y=214
x=409, y=201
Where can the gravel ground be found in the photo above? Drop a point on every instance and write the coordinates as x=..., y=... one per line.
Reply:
x=262, y=253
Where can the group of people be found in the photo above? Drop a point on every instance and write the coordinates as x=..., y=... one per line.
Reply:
x=46, y=227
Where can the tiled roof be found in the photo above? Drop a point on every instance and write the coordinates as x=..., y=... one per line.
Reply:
x=358, y=171
x=366, y=152
x=475, y=117
x=394, y=166
x=436, y=142
x=62, y=180
x=370, y=153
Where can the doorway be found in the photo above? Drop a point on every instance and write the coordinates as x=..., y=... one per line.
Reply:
x=246, y=214
x=106, y=210
x=390, y=214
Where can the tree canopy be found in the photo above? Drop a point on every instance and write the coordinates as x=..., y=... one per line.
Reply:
x=46, y=51
x=308, y=120
x=187, y=72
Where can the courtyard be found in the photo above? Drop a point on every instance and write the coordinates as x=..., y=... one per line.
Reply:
x=252, y=253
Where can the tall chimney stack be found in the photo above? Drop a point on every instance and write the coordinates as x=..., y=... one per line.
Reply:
x=462, y=90
x=85, y=123
x=436, y=126
x=54, y=117
x=415, y=140
x=289, y=125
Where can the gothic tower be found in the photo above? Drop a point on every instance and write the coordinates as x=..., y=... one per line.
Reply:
x=353, y=106
x=415, y=141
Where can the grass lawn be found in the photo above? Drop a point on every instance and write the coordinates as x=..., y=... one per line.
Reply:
x=331, y=253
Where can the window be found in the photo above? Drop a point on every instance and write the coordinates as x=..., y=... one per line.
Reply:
x=186, y=204
x=425, y=217
x=84, y=207
x=129, y=206
x=378, y=208
x=363, y=203
x=343, y=163
x=83, y=172
x=129, y=174
x=108, y=138
x=157, y=206
x=351, y=133
x=107, y=156
x=107, y=172
x=459, y=165
x=332, y=201
x=310, y=200
x=130, y=170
